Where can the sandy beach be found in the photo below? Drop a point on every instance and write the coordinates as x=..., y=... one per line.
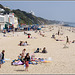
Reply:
x=63, y=59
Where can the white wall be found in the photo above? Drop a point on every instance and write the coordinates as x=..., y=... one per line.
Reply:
x=15, y=22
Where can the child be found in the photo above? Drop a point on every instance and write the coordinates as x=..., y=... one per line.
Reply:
x=27, y=64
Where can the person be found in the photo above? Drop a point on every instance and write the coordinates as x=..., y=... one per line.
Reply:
x=53, y=36
x=4, y=31
x=73, y=41
x=27, y=57
x=44, y=50
x=20, y=43
x=24, y=43
x=58, y=32
x=27, y=65
x=28, y=36
x=37, y=51
x=27, y=60
x=19, y=57
x=67, y=40
x=1, y=57
x=23, y=52
x=25, y=33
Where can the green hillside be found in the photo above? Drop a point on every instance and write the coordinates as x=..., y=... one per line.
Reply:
x=27, y=18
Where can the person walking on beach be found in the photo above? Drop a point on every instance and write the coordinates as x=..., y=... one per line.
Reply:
x=1, y=57
x=67, y=40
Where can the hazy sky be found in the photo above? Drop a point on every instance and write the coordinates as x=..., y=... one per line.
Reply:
x=52, y=10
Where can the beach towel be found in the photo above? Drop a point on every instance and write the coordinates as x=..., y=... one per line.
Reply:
x=6, y=59
x=20, y=63
x=17, y=63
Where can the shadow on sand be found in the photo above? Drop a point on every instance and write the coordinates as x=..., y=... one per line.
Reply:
x=19, y=70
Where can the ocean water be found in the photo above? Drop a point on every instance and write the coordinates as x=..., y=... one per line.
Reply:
x=70, y=25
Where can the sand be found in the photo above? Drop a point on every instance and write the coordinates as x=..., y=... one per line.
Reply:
x=63, y=59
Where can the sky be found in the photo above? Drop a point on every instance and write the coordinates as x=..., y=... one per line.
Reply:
x=51, y=10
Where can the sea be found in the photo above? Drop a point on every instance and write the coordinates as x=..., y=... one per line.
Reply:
x=70, y=25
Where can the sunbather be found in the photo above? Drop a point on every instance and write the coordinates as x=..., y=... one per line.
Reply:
x=44, y=50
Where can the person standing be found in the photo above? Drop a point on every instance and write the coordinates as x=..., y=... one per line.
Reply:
x=58, y=32
x=2, y=57
x=26, y=61
x=67, y=40
x=23, y=52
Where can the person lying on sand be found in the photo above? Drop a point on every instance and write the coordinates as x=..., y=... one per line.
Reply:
x=42, y=34
x=33, y=38
x=59, y=40
x=25, y=32
x=73, y=41
x=22, y=43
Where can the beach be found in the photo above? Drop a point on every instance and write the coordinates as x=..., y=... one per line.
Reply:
x=63, y=61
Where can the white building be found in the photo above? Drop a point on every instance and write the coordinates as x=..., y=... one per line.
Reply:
x=32, y=12
x=8, y=18
x=11, y=18
x=1, y=22
x=15, y=22
x=2, y=9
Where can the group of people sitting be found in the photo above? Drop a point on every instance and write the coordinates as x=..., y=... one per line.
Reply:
x=43, y=51
x=23, y=58
x=22, y=43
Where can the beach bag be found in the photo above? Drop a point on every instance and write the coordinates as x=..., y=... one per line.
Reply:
x=24, y=66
